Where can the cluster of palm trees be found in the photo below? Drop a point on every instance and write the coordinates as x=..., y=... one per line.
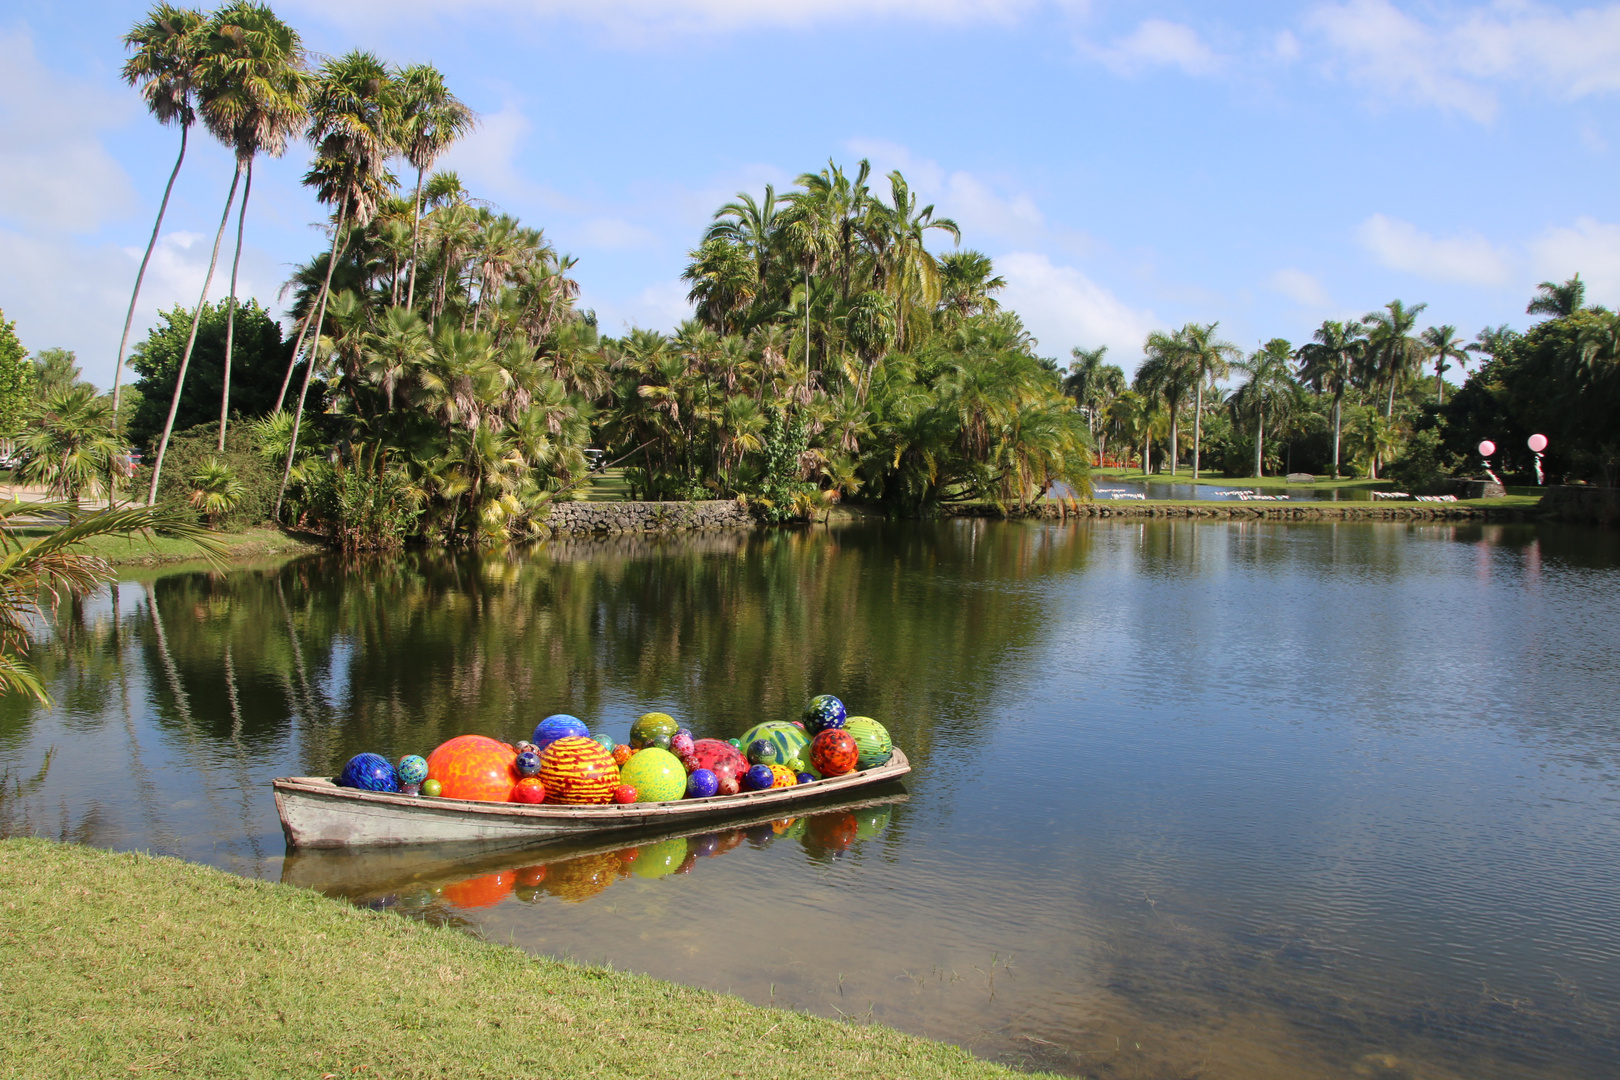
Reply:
x=1377, y=363
x=245, y=74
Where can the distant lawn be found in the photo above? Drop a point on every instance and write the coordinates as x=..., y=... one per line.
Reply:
x=252, y=543
x=1184, y=476
x=130, y=965
x=608, y=486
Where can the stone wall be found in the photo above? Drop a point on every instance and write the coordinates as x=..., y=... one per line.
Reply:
x=613, y=518
x=1300, y=511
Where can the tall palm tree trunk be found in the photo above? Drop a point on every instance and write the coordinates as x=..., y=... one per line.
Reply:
x=230, y=310
x=1439, y=382
x=1174, y=424
x=1198, y=425
x=416, y=231
x=1338, y=401
x=314, y=354
x=191, y=342
x=129, y=319
x=292, y=361
x=1259, y=442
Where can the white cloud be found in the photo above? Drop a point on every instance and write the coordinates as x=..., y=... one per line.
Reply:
x=54, y=172
x=1300, y=287
x=971, y=201
x=1285, y=47
x=1063, y=307
x=613, y=234
x=657, y=307
x=1590, y=248
x=1454, y=60
x=1400, y=245
x=1158, y=43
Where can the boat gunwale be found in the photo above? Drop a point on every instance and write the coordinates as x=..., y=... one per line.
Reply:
x=597, y=813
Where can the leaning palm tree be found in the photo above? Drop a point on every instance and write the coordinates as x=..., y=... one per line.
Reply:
x=431, y=118
x=253, y=100
x=352, y=122
x=1210, y=360
x=164, y=67
x=34, y=572
x=1442, y=344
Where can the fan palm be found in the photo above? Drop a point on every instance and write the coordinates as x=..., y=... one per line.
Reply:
x=253, y=99
x=352, y=122
x=34, y=572
x=1442, y=344
x=431, y=119
x=164, y=67
x=215, y=490
x=70, y=443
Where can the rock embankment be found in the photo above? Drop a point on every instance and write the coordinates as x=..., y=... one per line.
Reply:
x=1323, y=511
x=613, y=518
x=1582, y=505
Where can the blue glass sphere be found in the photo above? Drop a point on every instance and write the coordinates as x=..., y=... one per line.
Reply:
x=806, y=778
x=412, y=769
x=758, y=778
x=702, y=784
x=369, y=772
x=528, y=763
x=823, y=712
x=555, y=727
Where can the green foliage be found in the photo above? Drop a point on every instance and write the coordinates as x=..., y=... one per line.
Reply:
x=56, y=371
x=215, y=490
x=786, y=440
x=70, y=444
x=192, y=453
x=258, y=365
x=1424, y=465
x=16, y=379
x=362, y=509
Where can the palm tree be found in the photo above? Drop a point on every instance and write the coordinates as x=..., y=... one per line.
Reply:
x=897, y=235
x=839, y=204
x=164, y=66
x=1442, y=345
x=1558, y=300
x=215, y=490
x=1392, y=353
x=1093, y=385
x=253, y=99
x=71, y=443
x=1328, y=364
x=967, y=280
x=352, y=120
x=1167, y=373
x=1210, y=360
x=431, y=119
x=37, y=571
x=1270, y=385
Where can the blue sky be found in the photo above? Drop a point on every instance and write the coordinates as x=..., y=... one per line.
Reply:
x=1128, y=165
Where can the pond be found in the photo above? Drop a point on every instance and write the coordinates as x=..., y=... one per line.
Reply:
x=1215, y=799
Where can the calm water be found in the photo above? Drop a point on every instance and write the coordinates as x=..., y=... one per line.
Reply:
x=1224, y=800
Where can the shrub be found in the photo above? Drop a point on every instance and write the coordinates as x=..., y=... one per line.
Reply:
x=191, y=452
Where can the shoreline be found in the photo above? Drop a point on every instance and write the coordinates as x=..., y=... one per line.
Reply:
x=140, y=963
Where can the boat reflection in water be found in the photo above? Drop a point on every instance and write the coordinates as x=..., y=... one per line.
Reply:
x=437, y=881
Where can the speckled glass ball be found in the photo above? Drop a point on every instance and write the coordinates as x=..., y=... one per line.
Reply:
x=412, y=769
x=621, y=753
x=762, y=752
x=528, y=763
x=824, y=711
x=680, y=743
x=758, y=778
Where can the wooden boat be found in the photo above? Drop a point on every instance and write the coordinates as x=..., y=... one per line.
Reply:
x=316, y=813
x=367, y=874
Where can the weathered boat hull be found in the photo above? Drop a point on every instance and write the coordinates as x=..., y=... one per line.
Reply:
x=316, y=813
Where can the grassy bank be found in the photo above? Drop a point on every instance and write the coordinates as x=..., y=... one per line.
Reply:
x=125, y=964
x=242, y=546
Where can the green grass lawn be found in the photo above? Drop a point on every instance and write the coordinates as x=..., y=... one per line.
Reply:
x=245, y=544
x=130, y=965
x=607, y=486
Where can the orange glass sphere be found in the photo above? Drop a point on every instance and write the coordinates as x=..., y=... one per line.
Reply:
x=529, y=790
x=474, y=767
x=578, y=771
